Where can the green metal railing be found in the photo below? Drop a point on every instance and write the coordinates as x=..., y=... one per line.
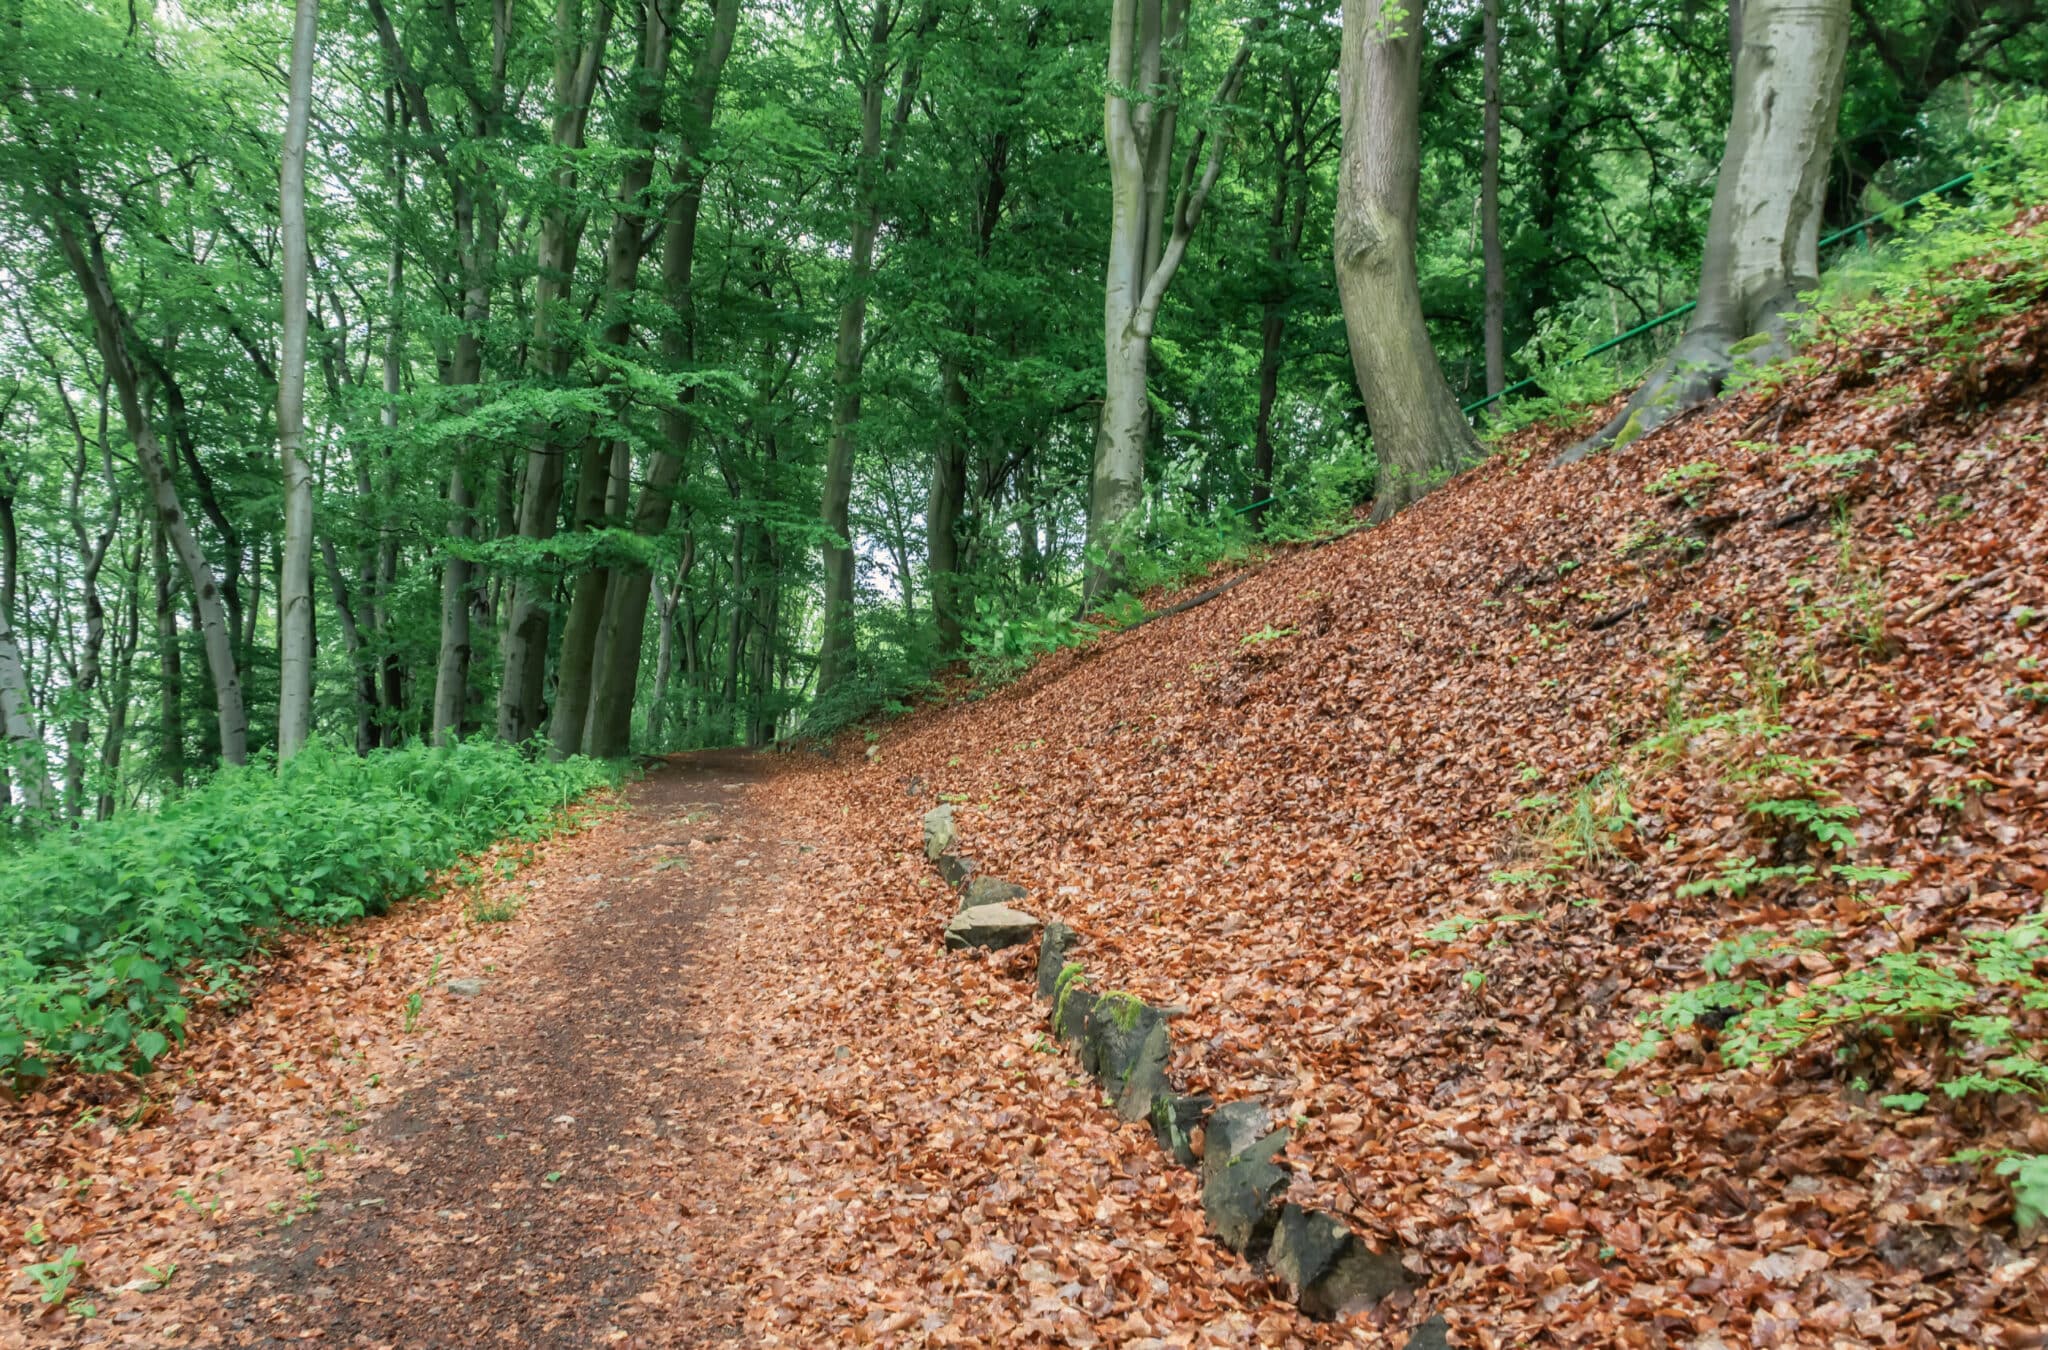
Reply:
x=1689, y=306
x=1648, y=325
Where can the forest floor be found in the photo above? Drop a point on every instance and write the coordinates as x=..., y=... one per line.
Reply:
x=1417, y=828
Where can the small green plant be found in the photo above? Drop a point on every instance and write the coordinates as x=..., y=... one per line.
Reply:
x=1826, y=823
x=2028, y=1175
x=1265, y=635
x=1844, y=462
x=498, y=911
x=1686, y=480
x=54, y=1277
x=415, y=1003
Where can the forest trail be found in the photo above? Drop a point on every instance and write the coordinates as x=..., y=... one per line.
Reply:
x=565, y=1179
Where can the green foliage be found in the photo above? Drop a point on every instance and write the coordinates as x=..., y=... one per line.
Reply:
x=2028, y=1174
x=53, y=1278
x=106, y=930
x=1684, y=480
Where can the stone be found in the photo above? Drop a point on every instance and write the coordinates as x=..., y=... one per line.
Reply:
x=1052, y=957
x=1241, y=1202
x=991, y=926
x=1125, y=1045
x=1174, y=1122
x=465, y=988
x=990, y=891
x=955, y=869
x=1328, y=1272
x=1070, y=1011
x=939, y=831
x=1435, y=1334
x=1239, y=1131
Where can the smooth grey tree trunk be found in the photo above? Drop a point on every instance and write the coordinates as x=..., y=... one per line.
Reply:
x=114, y=744
x=295, y=577
x=1763, y=235
x=17, y=724
x=1418, y=432
x=1151, y=221
x=170, y=662
x=1494, y=261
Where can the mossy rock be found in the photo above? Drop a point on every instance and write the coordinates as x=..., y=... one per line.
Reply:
x=1328, y=1271
x=1174, y=1122
x=1126, y=1046
x=1052, y=957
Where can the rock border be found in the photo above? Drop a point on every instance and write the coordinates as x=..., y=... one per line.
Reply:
x=1126, y=1045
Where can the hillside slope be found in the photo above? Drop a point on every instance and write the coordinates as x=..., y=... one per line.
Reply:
x=1417, y=826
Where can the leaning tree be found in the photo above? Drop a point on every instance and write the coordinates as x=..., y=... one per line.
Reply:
x=1763, y=236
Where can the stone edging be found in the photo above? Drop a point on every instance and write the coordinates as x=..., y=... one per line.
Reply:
x=1126, y=1046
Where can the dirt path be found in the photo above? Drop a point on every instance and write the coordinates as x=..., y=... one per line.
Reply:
x=562, y=1181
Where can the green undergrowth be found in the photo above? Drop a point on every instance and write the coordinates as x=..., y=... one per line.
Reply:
x=108, y=931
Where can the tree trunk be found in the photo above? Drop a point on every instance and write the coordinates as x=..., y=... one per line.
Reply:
x=1417, y=430
x=586, y=608
x=110, y=328
x=609, y=721
x=665, y=648
x=578, y=58
x=170, y=665
x=295, y=580
x=1763, y=234
x=1143, y=254
x=944, y=505
x=24, y=743
x=1494, y=260
x=114, y=743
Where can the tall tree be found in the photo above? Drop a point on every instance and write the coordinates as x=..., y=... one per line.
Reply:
x=1494, y=257
x=1152, y=220
x=579, y=56
x=1417, y=429
x=615, y=660
x=1763, y=237
x=295, y=582
x=872, y=54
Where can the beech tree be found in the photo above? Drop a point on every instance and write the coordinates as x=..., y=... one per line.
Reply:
x=1152, y=218
x=295, y=577
x=1417, y=428
x=1762, y=240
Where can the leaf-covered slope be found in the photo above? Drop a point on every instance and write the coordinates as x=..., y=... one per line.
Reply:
x=1422, y=825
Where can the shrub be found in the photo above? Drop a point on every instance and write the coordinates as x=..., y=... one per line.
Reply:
x=105, y=929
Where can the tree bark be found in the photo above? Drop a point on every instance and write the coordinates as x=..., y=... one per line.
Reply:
x=1417, y=430
x=24, y=743
x=170, y=662
x=295, y=579
x=88, y=264
x=622, y=630
x=1763, y=233
x=944, y=505
x=114, y=744
x=836, y=649
x=1494, y=261
x=578, y=58
x=1143, y=254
